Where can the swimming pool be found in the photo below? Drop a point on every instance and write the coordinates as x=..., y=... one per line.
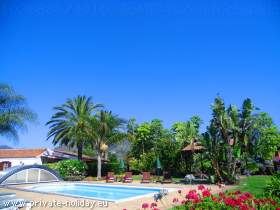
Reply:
x=113, y=193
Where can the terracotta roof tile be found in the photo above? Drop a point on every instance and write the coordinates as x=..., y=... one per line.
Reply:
x=21, y=153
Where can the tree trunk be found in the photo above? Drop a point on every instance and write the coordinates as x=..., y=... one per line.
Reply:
x=80, y=151
x=99, y=165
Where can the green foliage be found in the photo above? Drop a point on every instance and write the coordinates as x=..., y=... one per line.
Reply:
x=273, y=187
x=186, y=132
x=68, y=168
x=227, y=137
x=146, y=162
x=68, y=126
x=14, y=113
x=266, y=137
x=105, y=128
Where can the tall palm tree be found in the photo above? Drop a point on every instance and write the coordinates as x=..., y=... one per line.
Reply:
x=68, y=126
x=105, y=129
x=14, y=112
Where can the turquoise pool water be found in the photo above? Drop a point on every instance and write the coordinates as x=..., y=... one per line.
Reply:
x=97, y=191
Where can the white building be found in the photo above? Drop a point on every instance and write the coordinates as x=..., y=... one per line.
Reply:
x=15, y=157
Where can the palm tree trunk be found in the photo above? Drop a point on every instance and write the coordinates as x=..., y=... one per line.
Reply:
x=99, y=165
x=80, y=151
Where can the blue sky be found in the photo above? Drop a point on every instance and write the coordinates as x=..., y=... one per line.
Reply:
x=142, y=59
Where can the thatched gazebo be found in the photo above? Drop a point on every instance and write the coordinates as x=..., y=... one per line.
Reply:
x=193, y=148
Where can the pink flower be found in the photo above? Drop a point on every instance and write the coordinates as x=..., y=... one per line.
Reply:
x=145, y=205
x=192, y=195
x=201, y=187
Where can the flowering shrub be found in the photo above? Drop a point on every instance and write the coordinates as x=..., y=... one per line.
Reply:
x=68, y=168
x=204, y=199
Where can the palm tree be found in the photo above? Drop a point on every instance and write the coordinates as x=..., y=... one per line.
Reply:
x=68, y=126
x=105, y=129
x=14, y=112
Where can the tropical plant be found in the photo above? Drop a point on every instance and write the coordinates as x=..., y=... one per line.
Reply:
x=104, y=129
x=227, y=138
x=68, y=126
x=14, y=113
x=273, y=187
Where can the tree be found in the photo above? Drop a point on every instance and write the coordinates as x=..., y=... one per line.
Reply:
x=265, y=137
x=227, y=137
x=14, y=113
x=68, y=126
x=104, y=129
x=186, y=132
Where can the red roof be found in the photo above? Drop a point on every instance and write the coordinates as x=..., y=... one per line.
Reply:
x=21, y=153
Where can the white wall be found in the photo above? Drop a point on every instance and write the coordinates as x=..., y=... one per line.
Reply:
x=25, y=161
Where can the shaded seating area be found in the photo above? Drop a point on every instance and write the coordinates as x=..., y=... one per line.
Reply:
x=195, y=177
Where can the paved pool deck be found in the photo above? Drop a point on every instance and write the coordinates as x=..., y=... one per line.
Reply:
x=49, y=199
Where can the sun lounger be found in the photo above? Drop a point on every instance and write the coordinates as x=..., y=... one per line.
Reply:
x=110, y=177
x=146, y=177
x=190, y=179
x=166, y=178
x=127, y=177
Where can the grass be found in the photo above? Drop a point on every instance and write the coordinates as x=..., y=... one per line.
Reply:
x=253, y=184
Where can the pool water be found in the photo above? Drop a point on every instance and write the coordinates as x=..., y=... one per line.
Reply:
x=97, y=191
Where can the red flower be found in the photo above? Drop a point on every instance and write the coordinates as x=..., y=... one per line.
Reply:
x=153, y=205
x=175, y=200
x=214, y=198
x=230, y=202
x=237, y=192
x=221, y=194
x=206, y=193
x=201, y=187
x=145, y=205
x=248, y=195
x=183, y=202
x=180, y=191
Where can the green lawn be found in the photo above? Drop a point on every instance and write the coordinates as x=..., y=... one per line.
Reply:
x=253, y=184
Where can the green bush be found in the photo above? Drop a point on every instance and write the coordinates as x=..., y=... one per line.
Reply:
x=273, y=187
x=69, y=168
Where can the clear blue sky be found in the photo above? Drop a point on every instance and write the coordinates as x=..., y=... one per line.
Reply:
x=142, y=59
